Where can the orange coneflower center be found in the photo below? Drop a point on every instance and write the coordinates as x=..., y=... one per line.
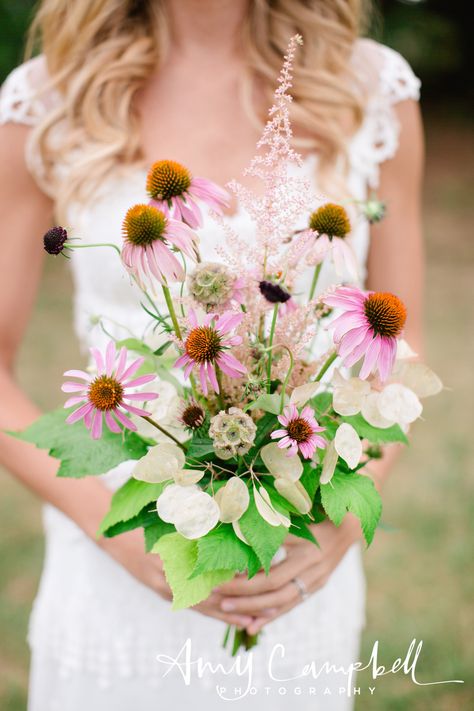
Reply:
x=143, y=224
x=105, y=393
x=299, y=429
x=331, y=220
x=167, y=179
x=203, y=344
x=385, y=313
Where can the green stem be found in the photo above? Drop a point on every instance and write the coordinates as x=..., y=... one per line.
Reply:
x=270, y=344
x=165, y=432
x=172, y=312
x=98, y=244
x=220, y=399
x=326, y=365
x=316, y=274
x=286, y=380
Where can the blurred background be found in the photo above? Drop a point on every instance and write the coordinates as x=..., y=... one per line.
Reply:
x=420, y=575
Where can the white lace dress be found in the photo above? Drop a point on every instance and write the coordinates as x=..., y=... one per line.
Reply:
x=95, y=631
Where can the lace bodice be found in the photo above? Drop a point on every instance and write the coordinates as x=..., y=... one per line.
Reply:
x=101, y=286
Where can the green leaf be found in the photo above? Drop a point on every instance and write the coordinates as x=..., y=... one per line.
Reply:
x=310, y=478
x=355, y=493
x=179, y=556
x=267, y=402
x=200, y=448
x=321, y=403
x=299, y=528
x=146, y=517
x=81, y=455
x=133, y=344
x=128, y=501
x=154, y=532
x=375, y=434
x=221, y=549
x=163, y=348
x=264, y=539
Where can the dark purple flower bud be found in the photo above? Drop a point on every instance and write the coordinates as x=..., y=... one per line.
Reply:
x=54, y=240
x=273, y=292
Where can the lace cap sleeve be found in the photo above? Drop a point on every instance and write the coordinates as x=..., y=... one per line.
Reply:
x=390, y=79
x=23, y=98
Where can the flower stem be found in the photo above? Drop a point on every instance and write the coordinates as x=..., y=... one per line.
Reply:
x=270, y=344
x=98, y=244
x=316, y=274
x=172, y=312
x=326, y=365
x=220, y=399
x=165, y=432
x=286, y=380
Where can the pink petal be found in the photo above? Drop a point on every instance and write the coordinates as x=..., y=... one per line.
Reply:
x=110, y=358
x=78, y=374
x=182, y=360
x=370, y=358
x=144, y=397
x=70, y=387
x=111, y=424
x=98, y=360
x=97, y=425
x=351, y=340
x=133, y=367
x=122, y=360
x=141, y=380
x=276, y=434
x=228, y=321
x=134, y=410
x=202, y=378
x=211, y=374
x=230, y=365
x=359, y=350
x=126, y=422
x=79, y=413
x=75, y=400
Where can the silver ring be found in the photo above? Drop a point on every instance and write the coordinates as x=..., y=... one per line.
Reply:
x=301, y=587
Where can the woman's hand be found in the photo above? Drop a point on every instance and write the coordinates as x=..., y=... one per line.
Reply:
x=266, y=597
x=128, y=550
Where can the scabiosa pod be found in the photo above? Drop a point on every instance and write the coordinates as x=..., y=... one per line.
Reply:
x=368, y=328
x=276, y=294
x=54, y=240
x=330, y=225
x=149, y=236
x=106, y=395
x=173, y=190
x=207, y=348
x=213, y=284
x=299, y=432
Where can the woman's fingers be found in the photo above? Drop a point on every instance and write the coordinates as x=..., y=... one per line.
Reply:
x=253, y=604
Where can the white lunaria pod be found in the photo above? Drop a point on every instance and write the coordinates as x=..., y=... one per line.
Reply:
x=197, y=515
x=172, y=499
x=295, y=493
x=348, y=445
x=267, y=511
x=349, y=396
x=160, y=463
x=238, y=532
x=233, y=500
x=418, y=377
x=279, y=464
x=185, y=477
x=371, y=413
x=303, y=393
x=329, y=463
x=399, y=403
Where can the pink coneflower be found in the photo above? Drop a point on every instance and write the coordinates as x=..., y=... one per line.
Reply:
x=149, y=236
x=369, y=327
x=330, y=226
x=299, y=432
x=172, y=189
x=206, y=347
x=106, y=393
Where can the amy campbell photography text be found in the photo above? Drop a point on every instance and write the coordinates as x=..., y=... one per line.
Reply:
x=242, y=667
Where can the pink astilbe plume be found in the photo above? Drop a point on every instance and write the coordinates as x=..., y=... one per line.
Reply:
x=106, y=395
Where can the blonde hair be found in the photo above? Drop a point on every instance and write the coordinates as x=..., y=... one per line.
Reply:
x=100, y=52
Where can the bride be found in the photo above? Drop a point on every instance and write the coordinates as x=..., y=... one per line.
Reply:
x=118, y=85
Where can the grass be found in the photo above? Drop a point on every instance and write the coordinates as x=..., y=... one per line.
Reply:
x=418, y=571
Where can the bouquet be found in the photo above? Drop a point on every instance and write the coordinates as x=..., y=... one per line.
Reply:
x=242, y=431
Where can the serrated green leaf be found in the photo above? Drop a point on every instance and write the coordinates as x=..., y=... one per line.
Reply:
x=321, y=403
x=264, y=539
x=135, y=345
x=355, y=493
x=146, y=517
x=81, y=455
x=179, y=556
x=221, y=549
x=129, y=500
x=310, y=478
x=375, y=434
x=200, y=448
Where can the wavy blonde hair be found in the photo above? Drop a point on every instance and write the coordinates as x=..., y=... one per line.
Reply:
x=100, y=52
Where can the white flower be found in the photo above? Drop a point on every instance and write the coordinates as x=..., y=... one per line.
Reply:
x=233, y=500
x=193, y=512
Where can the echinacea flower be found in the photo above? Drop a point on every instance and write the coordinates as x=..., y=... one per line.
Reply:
x=330, y=226
x=300, y=432
x=368, y=328
x=207, y=348
x=106, y=395
x=192, y=415
x=173, y=190
x=149, y=234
